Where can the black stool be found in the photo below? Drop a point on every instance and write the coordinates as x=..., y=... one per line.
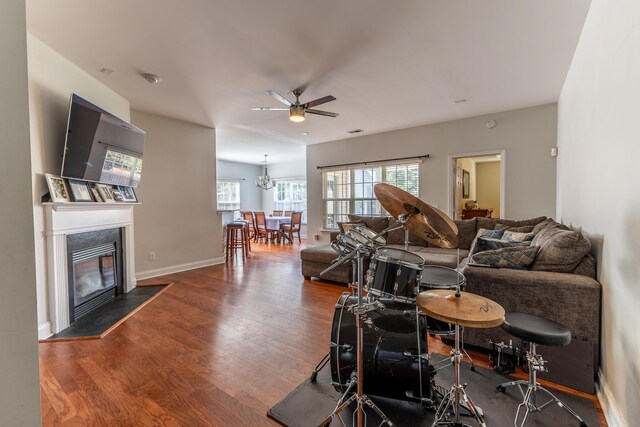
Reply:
x=535, y=330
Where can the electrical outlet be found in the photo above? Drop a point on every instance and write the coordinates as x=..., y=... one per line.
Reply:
x=152, y=256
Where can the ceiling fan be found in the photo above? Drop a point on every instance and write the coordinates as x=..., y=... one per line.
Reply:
x=298, y=110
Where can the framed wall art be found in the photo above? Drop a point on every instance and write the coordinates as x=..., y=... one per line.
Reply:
x=57, y=188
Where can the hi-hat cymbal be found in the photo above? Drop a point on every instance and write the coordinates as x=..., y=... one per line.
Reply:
x=470, y=310
x=423, y=220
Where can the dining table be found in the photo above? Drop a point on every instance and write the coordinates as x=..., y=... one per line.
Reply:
x=273, y=223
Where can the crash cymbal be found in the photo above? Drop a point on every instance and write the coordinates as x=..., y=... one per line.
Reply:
x=423, y=220
x=470, y=310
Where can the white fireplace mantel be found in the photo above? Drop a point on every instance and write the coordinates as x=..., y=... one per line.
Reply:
x=70, y=218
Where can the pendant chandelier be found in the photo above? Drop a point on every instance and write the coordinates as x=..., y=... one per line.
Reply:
x=264, y=181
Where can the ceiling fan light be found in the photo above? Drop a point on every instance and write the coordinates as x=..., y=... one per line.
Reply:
x=296, y=113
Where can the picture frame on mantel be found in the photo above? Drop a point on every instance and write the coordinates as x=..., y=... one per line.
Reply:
x=80, y=190
x=57, y=188
x=105, y=193
x=128, y=195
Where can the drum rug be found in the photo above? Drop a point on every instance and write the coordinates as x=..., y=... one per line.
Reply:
x=310, y=403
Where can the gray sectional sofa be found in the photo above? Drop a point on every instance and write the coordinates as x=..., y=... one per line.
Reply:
x=560, y=285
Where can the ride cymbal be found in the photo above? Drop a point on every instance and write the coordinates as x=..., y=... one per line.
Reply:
x=421, y=219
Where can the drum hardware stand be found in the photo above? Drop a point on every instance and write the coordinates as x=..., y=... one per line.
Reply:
x=473, y=365
x=503, y=363
x=457, y=396
x=359, y=310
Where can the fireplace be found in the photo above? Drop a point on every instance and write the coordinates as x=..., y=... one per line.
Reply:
x=94, y=262
x=65, y=220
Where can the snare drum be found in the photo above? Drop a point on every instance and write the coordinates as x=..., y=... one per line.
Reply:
x=344, y=244
x=439, y=277
x=367, y=237
x=394, y=273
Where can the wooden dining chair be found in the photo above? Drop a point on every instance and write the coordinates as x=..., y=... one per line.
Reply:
x=288, y=213
x=248, y=216
x=293, y=227
x=261, y=227
x=277, y=213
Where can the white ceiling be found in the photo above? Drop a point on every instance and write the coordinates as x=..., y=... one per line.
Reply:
x=390, y=64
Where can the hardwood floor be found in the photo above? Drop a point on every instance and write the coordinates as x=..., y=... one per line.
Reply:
x=219, y=348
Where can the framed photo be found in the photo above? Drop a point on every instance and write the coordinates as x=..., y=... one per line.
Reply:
x=117, y=195
x=128, y=195
x=95, y=192
x=80, y=191
x=105, y=193
x=57, y=188
x=465, y=184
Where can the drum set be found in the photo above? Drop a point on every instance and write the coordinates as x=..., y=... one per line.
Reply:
x=379, y=333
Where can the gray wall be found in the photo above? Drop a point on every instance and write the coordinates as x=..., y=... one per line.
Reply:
x=598, y=186
x=19, y=381
x=177, y=217
x=526, y=135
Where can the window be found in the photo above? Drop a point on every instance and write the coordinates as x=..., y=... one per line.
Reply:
x=291, y=195
x=228, y=194
x=350, y=191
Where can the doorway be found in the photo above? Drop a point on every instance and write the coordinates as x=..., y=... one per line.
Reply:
x=478, y=186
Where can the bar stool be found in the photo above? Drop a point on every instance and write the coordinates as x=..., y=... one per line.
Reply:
x=237, y=233
x=535, y=330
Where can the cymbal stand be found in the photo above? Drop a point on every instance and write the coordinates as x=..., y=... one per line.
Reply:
x=357, y=377
x=457, y=396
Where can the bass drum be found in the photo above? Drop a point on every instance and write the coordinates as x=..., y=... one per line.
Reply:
x=388, y=371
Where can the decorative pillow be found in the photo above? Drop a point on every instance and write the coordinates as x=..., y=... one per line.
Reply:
x=346, y=226
x=482, y=244
x=516, y=257
x=491, y=234
x=521, y=229
x=512, y=236
x=561, y=250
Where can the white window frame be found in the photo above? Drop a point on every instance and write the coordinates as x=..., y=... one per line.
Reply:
x=294, y=198
x=330, y=221
x=231, y=203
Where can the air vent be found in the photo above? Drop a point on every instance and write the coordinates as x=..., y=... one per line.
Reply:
x=355, y=131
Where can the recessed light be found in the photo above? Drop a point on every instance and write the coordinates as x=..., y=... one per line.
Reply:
x=355, y=131
x=106, y=71
x=460, y=101
x=151, y=78
x=306, y=133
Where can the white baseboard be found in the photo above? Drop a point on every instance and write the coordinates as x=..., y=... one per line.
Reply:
x=609, y=406
x=178, y=268
x=44, y=330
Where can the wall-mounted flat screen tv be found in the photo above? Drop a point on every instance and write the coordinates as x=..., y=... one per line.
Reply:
x=100, y=147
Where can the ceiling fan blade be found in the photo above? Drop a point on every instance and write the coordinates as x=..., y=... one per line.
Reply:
x=319, y=101
x=321, y=113
x=269, y=109
x=280, y=98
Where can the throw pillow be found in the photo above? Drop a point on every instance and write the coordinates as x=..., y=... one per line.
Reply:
x=491, y=234
x=482, y=244
x=512, y=236
x=346, y=226
x=522, y=229
x=517, y=257
x=561, y=250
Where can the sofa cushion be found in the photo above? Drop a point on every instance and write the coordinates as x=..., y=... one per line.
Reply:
x=466, y=232
x=538, y=227
x=516, y=257
x=375, y=223
x=492, y=223
x=437, y=256
x=586, y=267
x=561, y=250
x=396, y=237
x=322, y=253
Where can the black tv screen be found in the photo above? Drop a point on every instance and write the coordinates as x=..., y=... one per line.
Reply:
x=100, y=147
